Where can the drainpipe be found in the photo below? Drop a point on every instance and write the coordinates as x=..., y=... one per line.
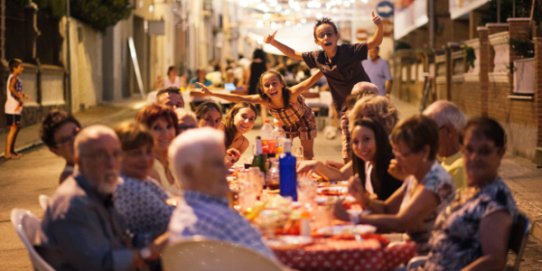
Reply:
x=68, y=60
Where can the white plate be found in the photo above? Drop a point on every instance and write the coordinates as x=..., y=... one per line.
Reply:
x=289, y=241
x=346, y=229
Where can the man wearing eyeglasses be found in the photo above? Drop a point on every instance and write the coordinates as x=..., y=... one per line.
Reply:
x=58, y=131
x=81, y=229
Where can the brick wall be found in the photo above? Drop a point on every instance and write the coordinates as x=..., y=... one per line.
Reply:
x=488, y=94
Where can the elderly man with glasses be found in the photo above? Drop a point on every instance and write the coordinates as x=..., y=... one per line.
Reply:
x=81, y=229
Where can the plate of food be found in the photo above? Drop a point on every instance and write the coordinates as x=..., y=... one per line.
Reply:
x=289, y=241
x=344, y=230
x=332, y=190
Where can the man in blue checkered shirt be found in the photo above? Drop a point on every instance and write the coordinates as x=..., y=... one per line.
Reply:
x=197, y=158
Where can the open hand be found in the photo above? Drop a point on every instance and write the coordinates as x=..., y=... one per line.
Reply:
x=204, y=89
x=269, y=37
x=307, y=166
x=376, y=19
x=356, y=190
x=232, y=156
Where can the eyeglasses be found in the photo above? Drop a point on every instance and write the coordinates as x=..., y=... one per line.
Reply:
x=398, y=154
x=69, y=138
x=483, y=151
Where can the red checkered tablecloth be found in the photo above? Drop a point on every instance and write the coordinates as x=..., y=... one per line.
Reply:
x=332, y=254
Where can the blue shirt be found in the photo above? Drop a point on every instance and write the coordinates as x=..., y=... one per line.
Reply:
x=82, y=231
x=142, y=205
x=212, y=218
x=378, y=72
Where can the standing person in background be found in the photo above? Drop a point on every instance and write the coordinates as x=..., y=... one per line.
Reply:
x=341, y=64
x=378, y=71
x=13, y=106
x=172, y=80
x=255, y=71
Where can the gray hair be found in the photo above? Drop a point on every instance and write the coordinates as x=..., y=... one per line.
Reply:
x=377, y=108
x=364, y=88
x=446, y=113
x=189, y=148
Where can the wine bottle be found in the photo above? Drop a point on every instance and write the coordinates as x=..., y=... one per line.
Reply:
x=259, y=160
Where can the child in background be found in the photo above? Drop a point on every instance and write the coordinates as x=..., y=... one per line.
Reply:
x=341, y=64
x=285, y=104
x=13, y=107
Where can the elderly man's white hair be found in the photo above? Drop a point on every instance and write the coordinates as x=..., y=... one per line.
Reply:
x=189, y=148
x=446, y=113
x=91, y=133
x=364, y=88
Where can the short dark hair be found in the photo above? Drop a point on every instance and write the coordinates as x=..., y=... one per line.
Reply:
x=205, y=107
x=14, y=63
x=133, y=135
x=417, y=132
x=322, y=21
x=171, y=68
x=488, y=128
x=173, y=90
x=55, y=119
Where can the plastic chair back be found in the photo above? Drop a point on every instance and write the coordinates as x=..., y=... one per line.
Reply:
x=210, y=255
x=27, y=225
x=519, y=236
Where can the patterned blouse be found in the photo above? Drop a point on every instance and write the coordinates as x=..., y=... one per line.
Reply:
x=438, y=182
x=297, y=119
x=142, y=205
x=456, y=242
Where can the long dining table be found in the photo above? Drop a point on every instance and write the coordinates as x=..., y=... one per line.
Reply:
x=321, y=248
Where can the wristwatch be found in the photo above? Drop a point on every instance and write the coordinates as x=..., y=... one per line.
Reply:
x=145, y=253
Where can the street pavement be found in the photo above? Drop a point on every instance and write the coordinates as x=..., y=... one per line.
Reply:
x=23, y=180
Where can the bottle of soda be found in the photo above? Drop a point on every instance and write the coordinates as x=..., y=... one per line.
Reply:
x=287, y=172
x=259, y=160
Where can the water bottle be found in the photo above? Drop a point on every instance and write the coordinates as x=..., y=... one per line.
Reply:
x=287, y=172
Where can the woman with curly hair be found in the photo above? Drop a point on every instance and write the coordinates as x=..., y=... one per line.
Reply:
x=162, y=122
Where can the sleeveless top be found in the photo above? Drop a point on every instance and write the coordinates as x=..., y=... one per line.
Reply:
x=173, y=189
x=12, y=105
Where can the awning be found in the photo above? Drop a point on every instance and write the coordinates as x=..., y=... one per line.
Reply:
x=459, y=8
x=297, y=37
x=409, y=15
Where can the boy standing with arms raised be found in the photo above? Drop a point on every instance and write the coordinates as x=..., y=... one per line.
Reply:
x=341, y=64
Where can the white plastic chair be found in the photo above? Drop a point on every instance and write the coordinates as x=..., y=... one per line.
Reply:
x=43, y=200
x=27, y=225
x=209, y=255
